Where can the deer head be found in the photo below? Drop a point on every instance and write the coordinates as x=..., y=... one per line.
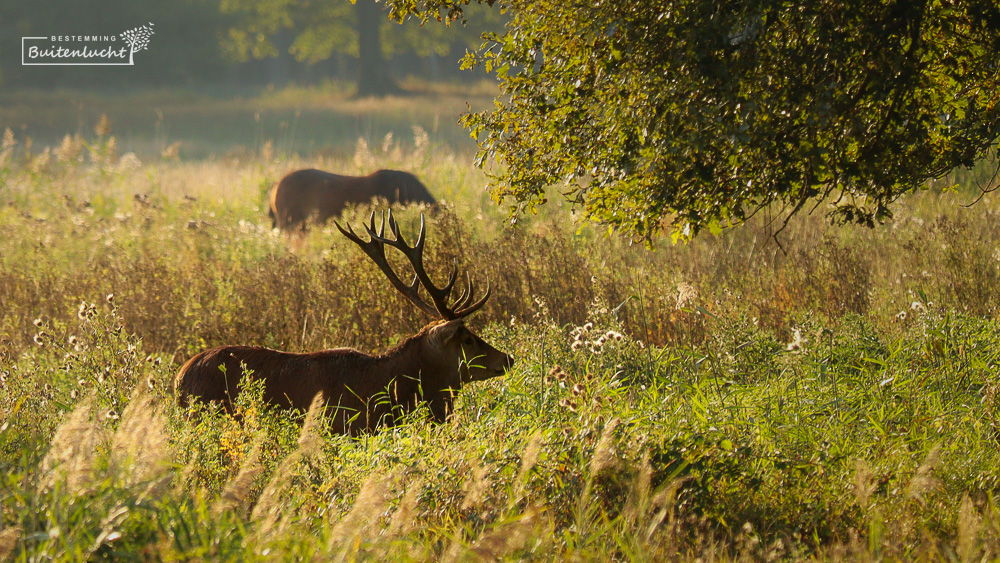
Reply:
x=459, y=351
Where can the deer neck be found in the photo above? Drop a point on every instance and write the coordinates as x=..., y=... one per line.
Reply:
x=418, y=376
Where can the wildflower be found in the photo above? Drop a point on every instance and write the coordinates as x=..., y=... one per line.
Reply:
x=151, y=382
x=568, y=404
x=40, y=339
x=797, y=341
x=37, y=322
x=918, y=307
x=82, y=382
x=901, y=316
x=686, y=294
x=577, y=389
x=86, y=311
x=72, y=340
x=73, y=394
x=547, y=380
x=110, y=298
x=576, y=345
x=111, y=415
x=613, y=335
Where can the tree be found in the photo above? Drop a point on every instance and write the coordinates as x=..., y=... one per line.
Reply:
x=694, y=114
x=359, y=28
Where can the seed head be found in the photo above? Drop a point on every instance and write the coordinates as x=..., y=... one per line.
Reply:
x=111, y=415
x=37, y=322
x=577, y=389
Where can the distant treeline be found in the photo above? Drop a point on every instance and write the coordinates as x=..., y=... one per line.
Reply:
x=193, y=44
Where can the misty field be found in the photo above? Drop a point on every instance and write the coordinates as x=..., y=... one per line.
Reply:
x=832, y=397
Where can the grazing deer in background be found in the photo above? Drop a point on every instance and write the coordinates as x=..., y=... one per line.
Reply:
x=313, y=193
x=363, y=392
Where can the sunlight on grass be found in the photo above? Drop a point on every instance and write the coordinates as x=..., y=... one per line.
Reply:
x=718, y=400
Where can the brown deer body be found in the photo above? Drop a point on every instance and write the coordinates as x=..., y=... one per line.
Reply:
x=362, y=392
x=312, y=193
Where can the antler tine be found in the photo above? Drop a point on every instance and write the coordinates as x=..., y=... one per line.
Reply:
x=375, y=249
x=466, y=295
x=477, y=305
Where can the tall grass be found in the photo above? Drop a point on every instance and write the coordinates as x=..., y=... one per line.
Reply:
x=723, y=399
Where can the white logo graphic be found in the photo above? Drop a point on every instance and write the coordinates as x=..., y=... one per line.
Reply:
x=86, y=50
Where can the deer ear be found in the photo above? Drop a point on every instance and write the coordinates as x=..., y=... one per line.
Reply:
x=444, y=332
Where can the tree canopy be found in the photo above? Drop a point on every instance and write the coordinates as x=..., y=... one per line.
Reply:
x=693, y=114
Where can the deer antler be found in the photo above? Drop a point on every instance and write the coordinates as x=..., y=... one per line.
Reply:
x=375, y=249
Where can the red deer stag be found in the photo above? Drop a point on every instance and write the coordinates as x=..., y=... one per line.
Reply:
x=363, y=392
x=313, y=193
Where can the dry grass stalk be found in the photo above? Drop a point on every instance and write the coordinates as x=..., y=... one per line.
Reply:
x=310, y=442
x=268, y=508
x=8, y=542
x=237, y=491
x=404, y=519
x=142, y=444
x=864, y=483
x=970, y=524
x=509, y=537
x=71, y=456
x=604, y=454
x=372, y=501
x=664, y=501
x=475, y=488
x=638, y=502
x=528, y=460
x=923, y=480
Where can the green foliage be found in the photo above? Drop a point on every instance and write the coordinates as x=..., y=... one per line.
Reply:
x=696, y=115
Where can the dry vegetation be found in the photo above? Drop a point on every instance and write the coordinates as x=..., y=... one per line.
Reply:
x=722, y=399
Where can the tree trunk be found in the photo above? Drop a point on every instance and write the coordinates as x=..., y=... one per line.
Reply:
x=373, y=78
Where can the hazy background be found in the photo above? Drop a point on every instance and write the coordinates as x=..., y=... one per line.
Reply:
x=221, y=76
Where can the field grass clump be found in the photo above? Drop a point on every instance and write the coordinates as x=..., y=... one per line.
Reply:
x=725, y=399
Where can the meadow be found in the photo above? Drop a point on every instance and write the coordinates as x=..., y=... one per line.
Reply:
x=833, y=396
